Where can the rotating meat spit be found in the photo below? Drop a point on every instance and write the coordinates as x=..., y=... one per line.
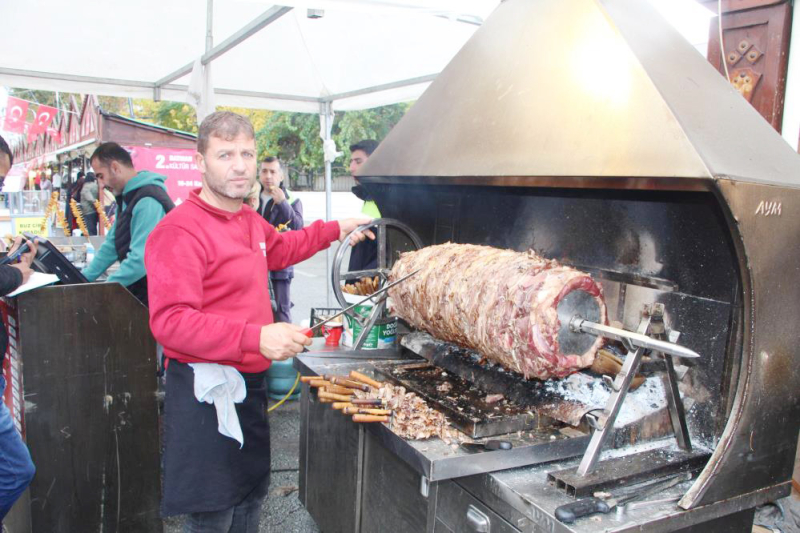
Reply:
x=578, y=333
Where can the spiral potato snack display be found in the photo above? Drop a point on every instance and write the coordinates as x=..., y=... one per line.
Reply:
x=102, y=214
x=52, y=206
x=76, y=212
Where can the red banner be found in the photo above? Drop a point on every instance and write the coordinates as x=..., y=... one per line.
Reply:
x=175, y=163
x=16, y=115
x=44, y=116
x=55, y=134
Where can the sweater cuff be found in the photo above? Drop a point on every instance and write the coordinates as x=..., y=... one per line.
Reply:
x=251, y=339
x=331, y=231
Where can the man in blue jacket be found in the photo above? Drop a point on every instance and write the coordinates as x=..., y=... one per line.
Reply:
x=285, y=213
x=142, y=201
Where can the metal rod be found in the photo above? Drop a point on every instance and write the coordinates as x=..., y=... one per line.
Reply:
x=637, y=340
x=675, y=405
x=259, y=23
x=383, y=87
x=619, y=390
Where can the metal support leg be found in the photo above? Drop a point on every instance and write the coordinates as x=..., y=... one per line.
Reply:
x=676, y=412
x=620, y=387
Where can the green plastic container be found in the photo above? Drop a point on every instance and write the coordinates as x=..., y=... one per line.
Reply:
x=280, y=378
x=382, y=334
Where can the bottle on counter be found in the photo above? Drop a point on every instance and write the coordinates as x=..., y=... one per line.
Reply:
x=89, y=253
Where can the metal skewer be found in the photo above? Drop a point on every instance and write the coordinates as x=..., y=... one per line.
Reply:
x=630, y=339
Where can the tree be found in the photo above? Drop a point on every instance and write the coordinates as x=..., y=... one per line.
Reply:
x=294, y=137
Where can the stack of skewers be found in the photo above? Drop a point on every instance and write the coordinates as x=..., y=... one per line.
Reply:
x=340, y=392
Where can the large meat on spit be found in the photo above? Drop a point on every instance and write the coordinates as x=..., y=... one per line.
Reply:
x=499, y=302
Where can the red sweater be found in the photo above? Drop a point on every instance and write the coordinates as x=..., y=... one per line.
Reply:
x=207, y=280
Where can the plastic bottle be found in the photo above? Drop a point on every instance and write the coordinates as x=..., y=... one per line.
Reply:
x=89, y=253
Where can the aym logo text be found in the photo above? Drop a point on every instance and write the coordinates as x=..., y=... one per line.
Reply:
x=769, y=208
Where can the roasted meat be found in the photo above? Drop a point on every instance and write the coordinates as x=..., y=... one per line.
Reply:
x=499, y=302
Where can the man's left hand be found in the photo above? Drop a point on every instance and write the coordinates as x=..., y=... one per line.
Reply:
x=349, y=224
x=277, y=194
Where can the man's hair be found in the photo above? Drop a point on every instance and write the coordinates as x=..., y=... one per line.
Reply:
x=4, y=149
x=111, y=151
x=223, y=125
x=367, y=146
x=272, y=159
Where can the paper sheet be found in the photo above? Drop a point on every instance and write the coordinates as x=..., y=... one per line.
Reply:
x=36, y=280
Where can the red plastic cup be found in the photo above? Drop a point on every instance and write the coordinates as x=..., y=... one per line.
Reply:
x=333, y=334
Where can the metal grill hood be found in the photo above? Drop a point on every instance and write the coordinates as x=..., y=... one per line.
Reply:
x=588, y=89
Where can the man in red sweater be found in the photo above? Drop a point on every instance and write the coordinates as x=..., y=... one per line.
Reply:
x=207, y=264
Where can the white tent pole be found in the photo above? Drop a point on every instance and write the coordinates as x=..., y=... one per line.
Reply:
x=209, y=25
x=327, y=124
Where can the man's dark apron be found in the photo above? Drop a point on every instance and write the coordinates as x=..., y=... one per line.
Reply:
x=204, y=470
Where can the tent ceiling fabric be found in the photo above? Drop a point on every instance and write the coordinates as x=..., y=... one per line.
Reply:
x=121, y=48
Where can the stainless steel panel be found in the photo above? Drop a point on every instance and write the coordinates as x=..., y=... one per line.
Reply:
x=581, y=88
x=330, y=468
x=392, y=500
x=462, y=512
x=757, y=447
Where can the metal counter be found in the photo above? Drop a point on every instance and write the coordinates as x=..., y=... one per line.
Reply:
x=365, y=478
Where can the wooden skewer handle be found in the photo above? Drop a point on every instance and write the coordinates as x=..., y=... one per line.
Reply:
x=370, y=418
x=334, y=397
x=337, y=380
x=344, y=391
x=319, y=383
x=360, y=411
x=358, y=376
x=306, y=379
x=367, y=401
x=341, y=405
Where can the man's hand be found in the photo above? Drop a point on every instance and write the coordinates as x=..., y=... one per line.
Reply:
x=281, y=341
x=26, y=259
x=277, y=194
x=349, y=224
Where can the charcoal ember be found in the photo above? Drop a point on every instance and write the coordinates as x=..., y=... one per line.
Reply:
x=500, y=303
x=445, y=387
x=493, y=398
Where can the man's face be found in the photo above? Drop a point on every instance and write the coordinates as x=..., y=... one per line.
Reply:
x=229, y=166
x=109, y=175
x=271, y=175
x=357, y=158
x=5, y=165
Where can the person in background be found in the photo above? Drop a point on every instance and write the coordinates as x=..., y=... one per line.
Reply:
x=208, y=264
x=285, y=213
x=89, y=194
x=56, y=181
x=363, y=256
x=16, y=466
x=142, y=201
x=74, y=193
x=254, y=196
x=47, y=186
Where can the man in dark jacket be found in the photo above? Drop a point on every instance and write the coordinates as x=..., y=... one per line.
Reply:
x=364, y=255
x=16, y=467
x=285, y=213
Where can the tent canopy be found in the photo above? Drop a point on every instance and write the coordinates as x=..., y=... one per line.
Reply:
x=358, y=54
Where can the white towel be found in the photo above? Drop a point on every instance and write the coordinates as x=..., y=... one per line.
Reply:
x=221, y=385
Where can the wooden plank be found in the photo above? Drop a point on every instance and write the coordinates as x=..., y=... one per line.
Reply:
x=756, y=48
